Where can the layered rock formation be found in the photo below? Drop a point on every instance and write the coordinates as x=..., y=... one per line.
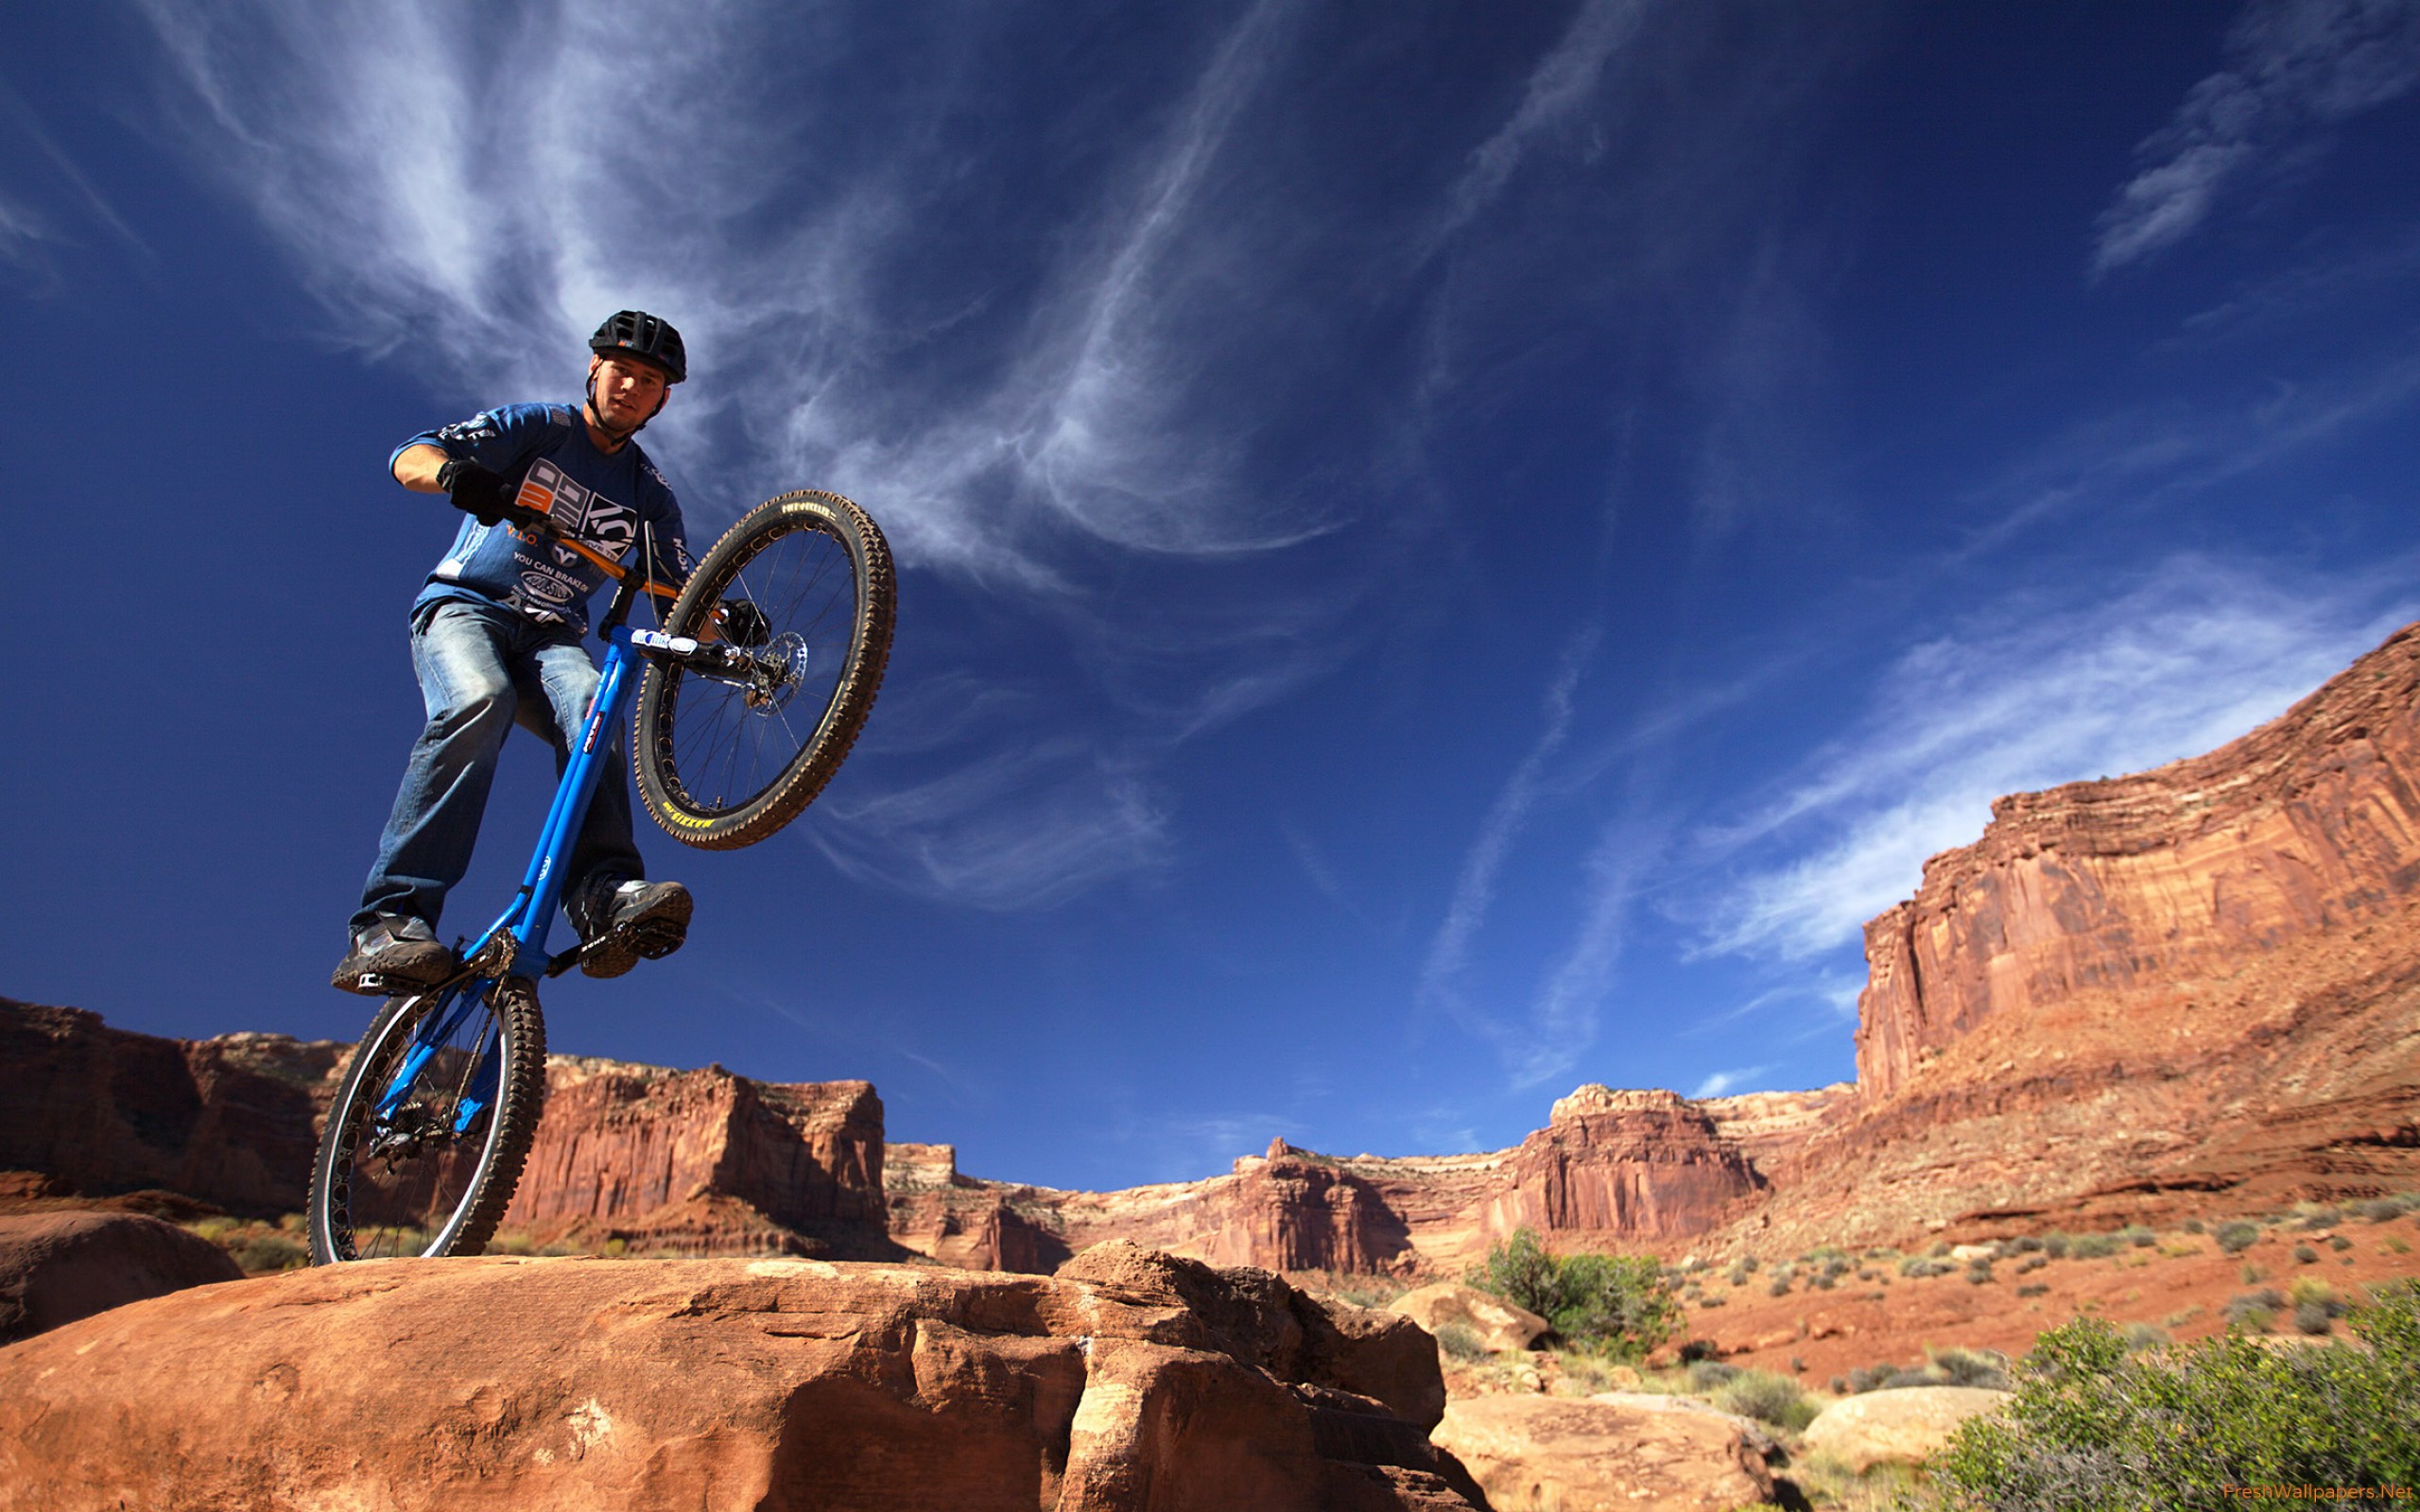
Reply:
x=2195, y=988
x=1132, y=1383
x=704, y=1162
x=698, y=1163
x=1610, y=1167
x=229, y=1122
x=2159, y=883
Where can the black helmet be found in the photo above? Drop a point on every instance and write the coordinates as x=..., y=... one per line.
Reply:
x=641, y=334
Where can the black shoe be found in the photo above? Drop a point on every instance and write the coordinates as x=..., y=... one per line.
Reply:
x=639, y=918
x=391, y=954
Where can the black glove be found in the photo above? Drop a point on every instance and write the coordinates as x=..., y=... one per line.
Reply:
x=744, y=624
x=481, y=493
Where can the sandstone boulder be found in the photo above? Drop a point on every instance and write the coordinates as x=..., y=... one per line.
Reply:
x=761, y=1385
x=56, y=1267
x=1561, y=1455
x=1907, y=1425
x=1497, y=1323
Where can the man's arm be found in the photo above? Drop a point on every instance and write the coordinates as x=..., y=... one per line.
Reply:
x=416, y=467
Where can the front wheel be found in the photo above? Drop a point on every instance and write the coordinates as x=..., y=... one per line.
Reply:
x=428, y=1133
x=727, y=754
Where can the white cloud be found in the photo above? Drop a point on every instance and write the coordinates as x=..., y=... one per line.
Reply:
x=1560, y=89
x=1720, y=1083
x=2026, y=696
x=2293, y=66
x=1017, y=830
x=1474, y=885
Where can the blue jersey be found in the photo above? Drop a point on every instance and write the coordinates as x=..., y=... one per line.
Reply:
x=545, y=454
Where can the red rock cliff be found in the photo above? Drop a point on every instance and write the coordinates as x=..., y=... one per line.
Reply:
x=2309, y=824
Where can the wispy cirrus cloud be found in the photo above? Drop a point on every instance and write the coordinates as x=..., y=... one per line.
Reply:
x=1044, y=401
x=1482, y=867
x=2294, y=66
x=1561, y=88
x=2028, y=695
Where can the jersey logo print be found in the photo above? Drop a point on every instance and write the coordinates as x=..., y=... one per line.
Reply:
x=577, y=510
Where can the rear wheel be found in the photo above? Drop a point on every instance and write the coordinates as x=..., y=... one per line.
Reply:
x=428, y=1133
x=726, y=756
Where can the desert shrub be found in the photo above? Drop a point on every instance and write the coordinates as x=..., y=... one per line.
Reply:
x=2145, y=1335
x=2035, y=1289
x=1780, y=1286
x=2254, y=1311
x=1971, y=1367
x=2093, y=1427
x=1460, y=1341
x=1615, y=1304
x=1750, y=1262
x=1705, y=1375
x=2321, y=1218
x=2093, y=1247
x=268, y=1252
x=2309, y=1291
x=2313, y=1319
x=2382, y=1210
x=2193, y=1226
x=2237, y=1237
x=2396, y=1245
x=1715, y=1300
x=1979, y=1272
x=1692, y=1350
x=2138, y=1236
x=2054, y=1244
x=1919, y=1266
x=1767, y=1397
x=2305, y=1255
x=2029, y=1245
x=1738, y=1274
x=1871, y=1377
x=2032, y=1264
x=2339, y=1242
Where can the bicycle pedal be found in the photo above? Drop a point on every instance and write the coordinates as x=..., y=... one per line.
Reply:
x=656, y=938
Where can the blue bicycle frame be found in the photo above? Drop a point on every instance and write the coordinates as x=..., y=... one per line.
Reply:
x=520, y=935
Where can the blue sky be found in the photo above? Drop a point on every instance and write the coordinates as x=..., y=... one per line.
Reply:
x=1450, y=551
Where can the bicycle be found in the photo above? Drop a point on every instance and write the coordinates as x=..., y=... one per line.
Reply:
x=784, y=627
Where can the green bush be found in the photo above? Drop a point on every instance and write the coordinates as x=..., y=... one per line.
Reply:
x=2093, y=1426
x=2138, y=1236
x=1460, y=1341
x=1613, y=1304
x=2054, y=1244
x=2237, y=1237
x=1767, y=1397
x=2093, y=1247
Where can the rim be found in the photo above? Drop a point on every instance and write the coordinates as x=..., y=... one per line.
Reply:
x=728, y=743
x=401, y=1183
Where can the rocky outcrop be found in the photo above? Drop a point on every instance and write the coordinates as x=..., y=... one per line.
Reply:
x=1610, y=1168
x=1628, y=1165
x=56, y=1267
x=1531, y=1451
x=1904, y=1426
x=701, y=1162
x=1496, y=1325
x=2150, y=997
x=228, y=1122
x=704, y=1162
x=1134, y=1382
x=2151, y=883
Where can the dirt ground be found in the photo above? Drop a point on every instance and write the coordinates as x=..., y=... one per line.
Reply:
x=2181, y=1283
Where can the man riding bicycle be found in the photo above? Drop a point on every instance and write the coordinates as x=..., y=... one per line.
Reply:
x=496, y=639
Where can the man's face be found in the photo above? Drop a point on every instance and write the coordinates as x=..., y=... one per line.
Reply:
x=627, y=391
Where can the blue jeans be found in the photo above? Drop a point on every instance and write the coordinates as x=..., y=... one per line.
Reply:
x=482, y=669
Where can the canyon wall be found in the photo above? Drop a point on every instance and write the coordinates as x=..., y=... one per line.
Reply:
x=701, y=1162
x=228, y=1122
x=1609, y=1168
x=2309, y=826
